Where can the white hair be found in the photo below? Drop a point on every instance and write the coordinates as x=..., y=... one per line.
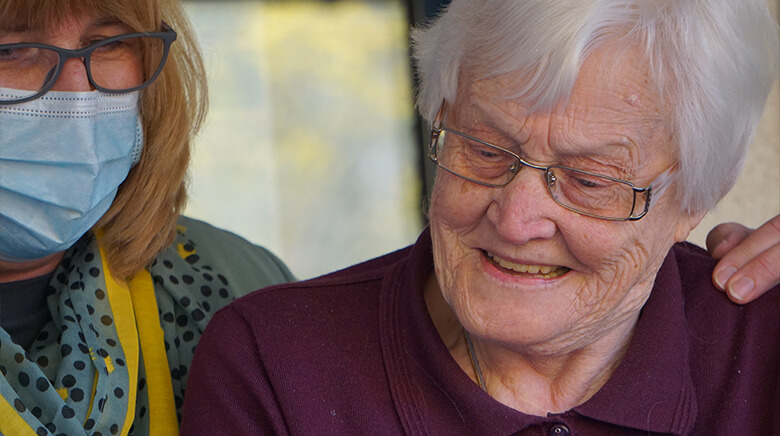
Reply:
x=713, y=61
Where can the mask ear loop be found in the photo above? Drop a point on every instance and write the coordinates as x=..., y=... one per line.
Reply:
x=138, y=147
x=139, y=143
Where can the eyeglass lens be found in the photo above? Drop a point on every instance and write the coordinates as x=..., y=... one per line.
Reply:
x=476, y=161
x=571, y=188
x=590, y=194
x=115, y=66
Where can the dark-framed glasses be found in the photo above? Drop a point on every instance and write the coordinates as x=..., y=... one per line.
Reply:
x=583, y=192
x=122, y=63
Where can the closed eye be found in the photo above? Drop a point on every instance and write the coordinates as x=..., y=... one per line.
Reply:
x=9, y=54
x=489, y=153
x=588, y=183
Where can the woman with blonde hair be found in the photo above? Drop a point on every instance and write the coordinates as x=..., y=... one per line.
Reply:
x=104, y=288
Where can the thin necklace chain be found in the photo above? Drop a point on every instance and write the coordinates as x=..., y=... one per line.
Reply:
x=474, y=361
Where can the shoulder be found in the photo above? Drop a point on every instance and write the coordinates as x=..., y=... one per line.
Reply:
x=732, y=348
x=695, y=267
x=246, y=265
x=310, y=330
x=269, y=347
x=695, y=264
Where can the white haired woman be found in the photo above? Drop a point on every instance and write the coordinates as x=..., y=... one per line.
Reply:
x=579, y=142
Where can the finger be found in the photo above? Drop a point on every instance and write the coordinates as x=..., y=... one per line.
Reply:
x=724, y=237
x=755, y=277
x=757, y=252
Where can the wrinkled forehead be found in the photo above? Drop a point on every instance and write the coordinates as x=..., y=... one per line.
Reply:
x=613, y=105
x=20, y=15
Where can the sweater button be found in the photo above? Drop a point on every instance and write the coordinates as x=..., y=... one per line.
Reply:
x=559, y=430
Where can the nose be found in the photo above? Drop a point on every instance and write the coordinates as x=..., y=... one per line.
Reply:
x=523, y=210
x=73, y=77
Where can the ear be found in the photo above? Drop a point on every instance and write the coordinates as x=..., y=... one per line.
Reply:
x=686, y=223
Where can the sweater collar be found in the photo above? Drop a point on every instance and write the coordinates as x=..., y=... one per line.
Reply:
x=652, y=388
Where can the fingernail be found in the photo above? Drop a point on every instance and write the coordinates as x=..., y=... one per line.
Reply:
x=742, y=288
x=723, y=276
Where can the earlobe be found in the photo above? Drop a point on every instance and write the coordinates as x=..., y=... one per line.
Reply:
x=688, y=221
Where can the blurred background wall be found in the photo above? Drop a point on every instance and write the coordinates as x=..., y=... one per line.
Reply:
x=311, y=148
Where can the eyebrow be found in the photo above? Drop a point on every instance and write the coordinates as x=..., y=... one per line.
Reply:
x=6, y=29
x=106, y=20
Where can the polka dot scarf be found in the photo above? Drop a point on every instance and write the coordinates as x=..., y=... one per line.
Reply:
x=103, y=365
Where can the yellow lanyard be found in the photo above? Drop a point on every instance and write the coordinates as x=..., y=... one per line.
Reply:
x=162, y=408
x=138, y=296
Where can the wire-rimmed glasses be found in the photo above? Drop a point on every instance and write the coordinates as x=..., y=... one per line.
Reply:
x=583, y=192
x=33, y=68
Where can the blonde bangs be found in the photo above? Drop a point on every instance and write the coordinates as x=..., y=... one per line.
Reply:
x=38, y=14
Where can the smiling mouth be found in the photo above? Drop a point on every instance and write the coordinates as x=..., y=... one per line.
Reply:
x=540, y=271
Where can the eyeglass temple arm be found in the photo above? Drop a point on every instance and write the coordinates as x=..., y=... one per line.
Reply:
x=435, y=132
x=653, y=191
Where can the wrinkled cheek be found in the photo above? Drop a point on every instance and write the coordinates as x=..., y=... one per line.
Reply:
x=448, y=257
x=642, y=255
x=455, y=211
x=623, y=278
x=455, y=269
x=612, y=261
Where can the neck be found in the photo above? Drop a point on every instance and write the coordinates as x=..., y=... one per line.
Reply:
x=536, y=379
x=16, y=271
x=549, y=382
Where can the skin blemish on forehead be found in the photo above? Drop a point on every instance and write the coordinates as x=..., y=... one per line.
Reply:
x=634, y=93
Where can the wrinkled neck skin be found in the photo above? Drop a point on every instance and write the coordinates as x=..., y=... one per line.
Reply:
x=536, y=379
x=16, y=271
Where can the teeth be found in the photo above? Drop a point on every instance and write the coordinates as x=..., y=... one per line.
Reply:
x=510, y=265
x=546, y=271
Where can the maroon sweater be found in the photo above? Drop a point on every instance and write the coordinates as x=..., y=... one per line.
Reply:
x=355, y=352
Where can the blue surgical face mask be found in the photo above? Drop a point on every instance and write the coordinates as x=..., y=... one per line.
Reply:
x=62, y=158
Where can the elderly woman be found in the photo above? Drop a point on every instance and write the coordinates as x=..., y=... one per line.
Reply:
x=104, y=289
x=578, y=142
